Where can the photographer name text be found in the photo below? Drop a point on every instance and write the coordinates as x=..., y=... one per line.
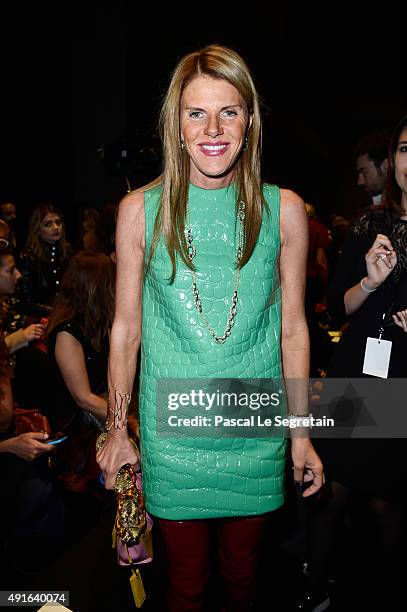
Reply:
x=254, y=420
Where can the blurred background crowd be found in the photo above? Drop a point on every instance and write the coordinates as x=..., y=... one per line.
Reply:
x=74, y=141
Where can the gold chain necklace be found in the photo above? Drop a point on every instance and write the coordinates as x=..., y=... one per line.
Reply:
x=197, y=299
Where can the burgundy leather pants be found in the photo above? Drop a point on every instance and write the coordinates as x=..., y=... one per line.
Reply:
x=188, y=550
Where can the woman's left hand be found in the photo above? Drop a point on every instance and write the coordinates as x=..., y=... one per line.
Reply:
x=307, y=466
x=400, y=319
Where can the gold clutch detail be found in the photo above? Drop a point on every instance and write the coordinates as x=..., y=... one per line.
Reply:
x=130, y=521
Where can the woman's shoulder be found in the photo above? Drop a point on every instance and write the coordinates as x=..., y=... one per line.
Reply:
x=136, y=198
x=289, y=198
x=71, y=326
x=293, y=217
x=138, y=205
x=292, y=207
x=286, y=197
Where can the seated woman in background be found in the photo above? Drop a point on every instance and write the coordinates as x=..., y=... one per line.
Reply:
x=16, y=336
x=43, y=260
x=31, y=512
x=78, y=342
x=41, y=263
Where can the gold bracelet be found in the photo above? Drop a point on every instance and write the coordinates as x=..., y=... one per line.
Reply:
x=119, y=414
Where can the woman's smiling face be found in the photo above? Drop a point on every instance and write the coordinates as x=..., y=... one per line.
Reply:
x=214, y=122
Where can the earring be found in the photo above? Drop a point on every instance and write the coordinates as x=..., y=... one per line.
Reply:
x=246, y=144
x=182, y=145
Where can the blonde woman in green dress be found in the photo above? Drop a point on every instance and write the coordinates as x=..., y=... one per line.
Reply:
x=210, y=281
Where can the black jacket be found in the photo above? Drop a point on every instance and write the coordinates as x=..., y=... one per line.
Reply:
x=41, y=278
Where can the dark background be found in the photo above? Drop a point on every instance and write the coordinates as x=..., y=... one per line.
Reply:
x=81, y=84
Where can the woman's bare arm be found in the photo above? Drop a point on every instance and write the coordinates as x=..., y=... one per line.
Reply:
x=294, y=332
x=126, y=332
x=71, y=362
x=380, y=262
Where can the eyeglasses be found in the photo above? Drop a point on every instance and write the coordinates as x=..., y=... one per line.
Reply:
x=4, y=242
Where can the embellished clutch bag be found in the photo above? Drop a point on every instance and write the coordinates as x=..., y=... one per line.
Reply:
x=132, y=525
x=131, y=521
x=131, y=534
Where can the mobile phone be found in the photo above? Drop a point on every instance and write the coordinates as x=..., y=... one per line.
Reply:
x=56, y=440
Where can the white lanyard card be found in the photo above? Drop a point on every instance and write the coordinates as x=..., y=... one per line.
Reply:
x=377, y=357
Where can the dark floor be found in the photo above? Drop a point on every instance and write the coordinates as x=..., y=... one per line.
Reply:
x=87, y=568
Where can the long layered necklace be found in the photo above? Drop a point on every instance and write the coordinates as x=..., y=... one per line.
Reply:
x=197, y=298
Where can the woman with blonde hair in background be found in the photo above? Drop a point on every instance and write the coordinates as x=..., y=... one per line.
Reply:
x=43, y=260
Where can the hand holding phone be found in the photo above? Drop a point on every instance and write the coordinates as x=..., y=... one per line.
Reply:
x=57, y=439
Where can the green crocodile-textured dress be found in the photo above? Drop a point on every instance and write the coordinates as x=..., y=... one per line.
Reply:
x=207, y=477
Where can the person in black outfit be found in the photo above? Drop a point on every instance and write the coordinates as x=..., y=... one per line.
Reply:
x=78, y=344
x=41, y=264
x=370, y=283
x=31, y=512
x=43, y=261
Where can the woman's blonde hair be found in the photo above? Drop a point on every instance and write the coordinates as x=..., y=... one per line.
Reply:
x=217, y=62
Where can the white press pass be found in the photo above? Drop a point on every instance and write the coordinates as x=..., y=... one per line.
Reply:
x=377, y=357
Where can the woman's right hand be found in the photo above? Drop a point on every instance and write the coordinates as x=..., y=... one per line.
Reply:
x=35, y=331
x=30, y=445
x=115, y=452
x=381, y=260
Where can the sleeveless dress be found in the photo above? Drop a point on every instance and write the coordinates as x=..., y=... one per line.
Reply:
x=77, y=453
x=60, y=405
x=206, y=477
